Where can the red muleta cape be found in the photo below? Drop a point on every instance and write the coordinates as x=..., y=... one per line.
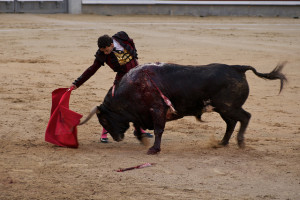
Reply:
x=62, y=126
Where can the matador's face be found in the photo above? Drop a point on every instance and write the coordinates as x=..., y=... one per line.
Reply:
x=107, y=50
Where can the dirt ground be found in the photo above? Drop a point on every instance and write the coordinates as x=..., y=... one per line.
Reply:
x=40, y=53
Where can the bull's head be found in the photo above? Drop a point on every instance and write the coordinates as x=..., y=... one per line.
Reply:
x=113, y=123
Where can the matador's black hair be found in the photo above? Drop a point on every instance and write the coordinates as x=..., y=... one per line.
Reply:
x=104, y=41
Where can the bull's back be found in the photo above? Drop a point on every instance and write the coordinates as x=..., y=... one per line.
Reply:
x=193, y=81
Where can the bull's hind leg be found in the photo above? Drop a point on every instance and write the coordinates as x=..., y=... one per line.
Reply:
x=244, y=120
x=231, y=118
x=229, y=130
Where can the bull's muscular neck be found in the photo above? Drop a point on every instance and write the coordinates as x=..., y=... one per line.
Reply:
x=116, y=105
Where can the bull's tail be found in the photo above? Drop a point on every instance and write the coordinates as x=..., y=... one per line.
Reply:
x=90, y=115
x=273, y=75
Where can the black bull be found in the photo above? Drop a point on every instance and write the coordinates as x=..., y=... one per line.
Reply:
x=191, y=90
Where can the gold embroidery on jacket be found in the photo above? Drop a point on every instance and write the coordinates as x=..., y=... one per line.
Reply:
x=123, y=56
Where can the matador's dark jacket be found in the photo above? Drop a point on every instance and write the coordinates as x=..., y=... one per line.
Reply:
x=120, y=62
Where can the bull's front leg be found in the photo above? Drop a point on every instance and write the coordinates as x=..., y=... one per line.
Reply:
x=156, y=147
x=140, y=136
x=137, y=132
x=159, y=121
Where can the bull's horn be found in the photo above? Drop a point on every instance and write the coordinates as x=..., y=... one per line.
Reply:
x=93, y=111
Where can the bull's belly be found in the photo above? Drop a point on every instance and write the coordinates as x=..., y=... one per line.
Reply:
x=197, y=112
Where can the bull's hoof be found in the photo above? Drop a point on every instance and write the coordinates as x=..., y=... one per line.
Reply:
x=223, y=143
x=241, y=144
x=153, y=151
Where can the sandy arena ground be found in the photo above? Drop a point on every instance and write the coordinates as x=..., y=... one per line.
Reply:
x=40, y=53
